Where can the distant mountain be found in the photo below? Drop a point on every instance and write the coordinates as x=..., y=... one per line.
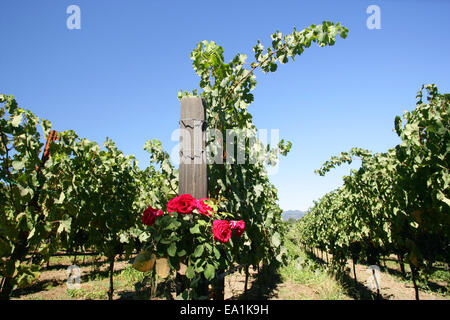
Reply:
x=296, y=214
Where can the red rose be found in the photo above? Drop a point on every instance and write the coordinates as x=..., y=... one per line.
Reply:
x=150, y=214
x=182, y=204
x=221, y=230
x=172, y=205
x=203, y=208
x=238, y=227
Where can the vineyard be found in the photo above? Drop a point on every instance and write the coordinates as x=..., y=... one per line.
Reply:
x=396, y=203
x=65, y=199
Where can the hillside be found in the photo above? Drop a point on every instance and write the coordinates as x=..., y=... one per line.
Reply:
x=296, y=214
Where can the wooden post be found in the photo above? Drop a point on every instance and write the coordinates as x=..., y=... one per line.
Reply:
x=246, y=282
x=193, y=170
x=193, y=177
x=111, y=279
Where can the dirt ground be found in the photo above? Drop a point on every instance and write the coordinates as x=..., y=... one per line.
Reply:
x=278, y=290
x=51, y=285
x=391, y=288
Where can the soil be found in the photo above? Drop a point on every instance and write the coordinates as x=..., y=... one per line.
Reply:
x=391, y=288
x=51, y=285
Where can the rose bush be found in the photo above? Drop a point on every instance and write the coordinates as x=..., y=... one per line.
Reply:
x=194, y=236
x=186, y=204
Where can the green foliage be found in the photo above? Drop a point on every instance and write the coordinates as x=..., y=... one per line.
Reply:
x=226, y=88
x=84, y=294
x=81, y=195
x=132, y=276
x=99, y=194
x=301, y=269
x=187, y=240
x=238, y=191
x=397, y=202
x=28, y=192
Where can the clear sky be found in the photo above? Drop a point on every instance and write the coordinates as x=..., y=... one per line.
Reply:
x=118, y=76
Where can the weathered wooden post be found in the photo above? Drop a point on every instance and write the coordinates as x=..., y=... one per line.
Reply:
x=193, y=171
x=193, y=177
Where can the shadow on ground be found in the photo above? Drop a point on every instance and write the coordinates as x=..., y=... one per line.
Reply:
x=431, y=285
x=262, y=288
x=38, y=286
x=43, y=285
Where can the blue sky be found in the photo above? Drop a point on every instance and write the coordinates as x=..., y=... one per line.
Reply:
x=118, y=76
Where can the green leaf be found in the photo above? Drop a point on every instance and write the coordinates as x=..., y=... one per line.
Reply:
x=166, y=241
x=18, y=165
x=16, y=120
x=441, y=196
x=276, y=241
x=11, y=268
x=190, y=272
x=62, y=196
x=27, y=275
x=172, y=249
x=195, y=229
x=216, y=253
x=209, y=272
x=199, y=251
x=124, y=238
x=32, y=232
x=64, y=225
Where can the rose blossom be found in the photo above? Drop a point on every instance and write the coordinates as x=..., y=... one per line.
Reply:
x=203, y=208
x=238, y=227
x=221, y=230
x=150, y=214
x=182, y=204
